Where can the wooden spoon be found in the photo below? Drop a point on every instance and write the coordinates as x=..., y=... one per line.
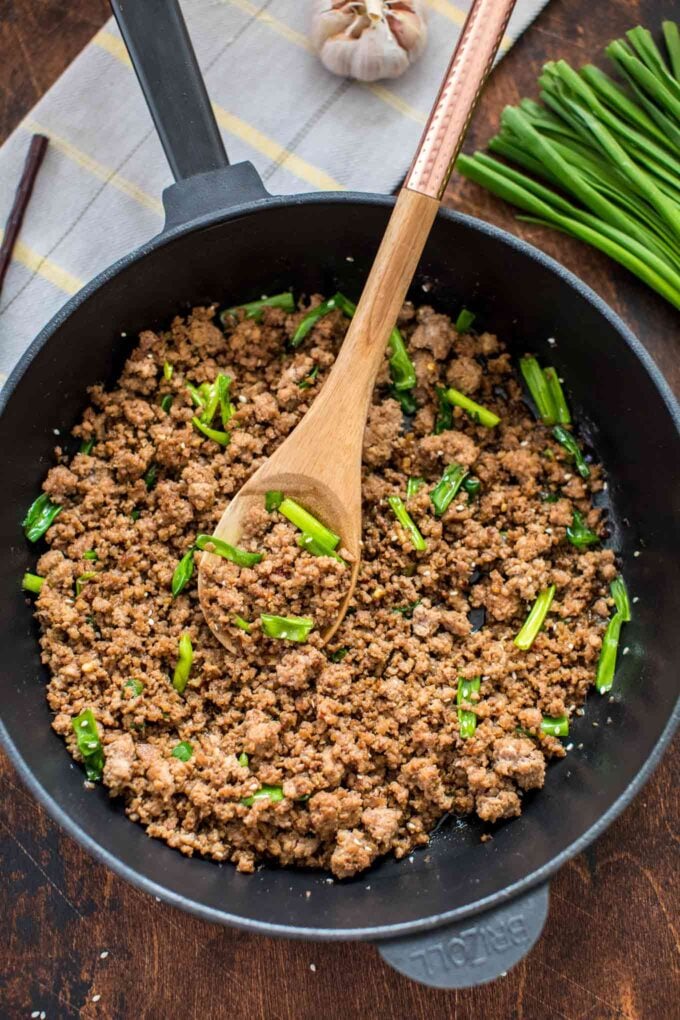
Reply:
x=319, y=464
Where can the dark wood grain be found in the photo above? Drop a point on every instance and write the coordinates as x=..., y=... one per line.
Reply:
x=610, y=948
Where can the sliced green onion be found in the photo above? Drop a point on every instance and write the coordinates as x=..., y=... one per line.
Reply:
x=183, y=573
x=566, y=440
x=579, y=534
x=316, y=548
x=563, y=415
x=86, y=447
x=550, y=497
x=467, y=720
x=405, y=399
x=39, y=517
x=223, y=387
x=90, y=554
x=218, y=437
x=89, y=744
x=472, y=486
x=464, y=320
x=307, y=523
x=166, y=403
x=255, y=309
x=539, y=388
x=272, y=793
x=228, y=552
x=197, y=397
x=32, y=583
x=243, y=760
x=401, y=513
x=606, y=664
x=83, y=579
x=273, y=500
x=480, y=414
x=310, y=319
x=287, y=628
x=402, y=369
x=557, y=727
x=444, y=420
x=338, y=655
x=185, y=657
x=309, y=379
x=621, y=600
x=407, y=610
x=413, y=486
x=183, y=751
x=446, y=490
x=242, y=624
x=135, y=685
x=535, y=619
x=135, y=515
x=167, y=371
x=150, y=477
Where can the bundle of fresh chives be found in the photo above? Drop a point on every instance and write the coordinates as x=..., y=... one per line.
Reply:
x=607, y=155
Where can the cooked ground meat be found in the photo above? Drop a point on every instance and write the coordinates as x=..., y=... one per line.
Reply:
x=361, y=738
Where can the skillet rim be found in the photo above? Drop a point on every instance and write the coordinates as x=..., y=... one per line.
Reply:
x=503, y=895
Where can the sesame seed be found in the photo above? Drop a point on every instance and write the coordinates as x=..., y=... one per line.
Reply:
x=636, y=553
x=525, y=442
x=56, y=432
x=43, y=1014
x=123, y=334
x=552, y=341
x=569, y=747
x=567, y=477
x=349, y=258
x=308, y=893
x=460, y=508
x=636, y=599
x=596, y=724
x=96, y=998
x=35, y=1014
x=312, y=967
x=427, y=287
x=605, y=486
x=626, y=650
x=157, y=899
x=242, y=399
x=609, y=720
x=102, y=956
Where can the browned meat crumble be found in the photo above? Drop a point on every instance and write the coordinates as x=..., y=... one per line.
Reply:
x=366, y=748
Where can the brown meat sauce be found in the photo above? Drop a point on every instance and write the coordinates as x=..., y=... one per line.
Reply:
x=366, y=748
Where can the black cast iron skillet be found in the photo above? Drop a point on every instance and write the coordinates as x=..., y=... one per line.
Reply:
x=460, y=912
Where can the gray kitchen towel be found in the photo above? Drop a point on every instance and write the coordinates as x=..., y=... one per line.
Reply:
x=98, y=193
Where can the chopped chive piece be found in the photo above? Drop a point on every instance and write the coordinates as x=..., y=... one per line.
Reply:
x=272, y=793
x=566, y=440
x=401, y=513
x=90, y=554
x=41, y=514
x=472, y=486
x=550, y=497
x=316, y=548
x=150, y=477
x=464, y=320
x=83, y=579
x=135, y=685
x=183, y=751
x=32, y=582
x=407, y=610
x=89, y=744
x=579, y=534
x=218, y=437
x=445, y=491
x=288, y=628
x=338, y=655
x=467, y=720
x=621, y=600
x=273, y=500
x=541, y=393
x=562, y=413
x=308, y=524
x=535, y=619
x=86, y=447
x=480, y=414
x=242, y=624
x=183, y=573
x=310, y=319
x=558, y=727
x=195, y=394
x=346, y=306
x=606, y=664
x=413, y=485
x=243, y=760
x=444, y=420
x=227, y=409
x=402, y=369
x=211, y=400
x=135, y=514
x=405, y=398
x=185, y=657
x=228, y=552
x=309, y=379
x=167, y=371
x=166, y=403
x=255, y=309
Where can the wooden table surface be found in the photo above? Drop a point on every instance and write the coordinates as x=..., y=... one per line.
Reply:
x=78, y=941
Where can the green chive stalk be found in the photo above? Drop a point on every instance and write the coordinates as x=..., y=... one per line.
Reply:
x=287, y=628
x=467, y=720
x=310, y=319
x=255, y=309
x=89, y=744
x=402, y=369
x=308, y=524
x=40, y=517
x=272, y=500
x=134, y=685
x=183, y=751
x=167, y=371
x=464, y=320
x=413, y=486
x=222, y=438
x=444, y=420
x=539, y=388
x=401, y=513
x=316, y=548
x=446, y=490
x=579, y=534
x=556, y=727
x=562, y=413
x=183, y=573
x=86, y=447
x=218, y=547
x=606, y=666
x=243, y=760
x=270, y=793
x=535, y=620
x=32, y=582
x=242, y=624
x=566, y=440
x=480, y=414
x=185, y=658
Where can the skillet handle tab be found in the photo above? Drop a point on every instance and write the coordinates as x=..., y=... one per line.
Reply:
x=472, y=951
x=165, y=63
x=211, y=193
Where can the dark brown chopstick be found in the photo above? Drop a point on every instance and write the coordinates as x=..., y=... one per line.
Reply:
x=34, y=157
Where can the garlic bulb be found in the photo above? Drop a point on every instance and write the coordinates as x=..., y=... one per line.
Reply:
x=368, y=39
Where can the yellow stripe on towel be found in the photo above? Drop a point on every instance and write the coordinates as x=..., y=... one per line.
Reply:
x=44, y=267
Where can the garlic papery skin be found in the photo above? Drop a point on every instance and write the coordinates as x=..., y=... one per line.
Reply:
x=368, y=39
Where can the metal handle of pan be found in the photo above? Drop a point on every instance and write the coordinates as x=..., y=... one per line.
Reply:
x=475, y=950
x=163, y=58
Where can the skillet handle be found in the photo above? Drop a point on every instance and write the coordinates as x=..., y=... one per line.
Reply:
x=475, y=950
x=165, y=63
